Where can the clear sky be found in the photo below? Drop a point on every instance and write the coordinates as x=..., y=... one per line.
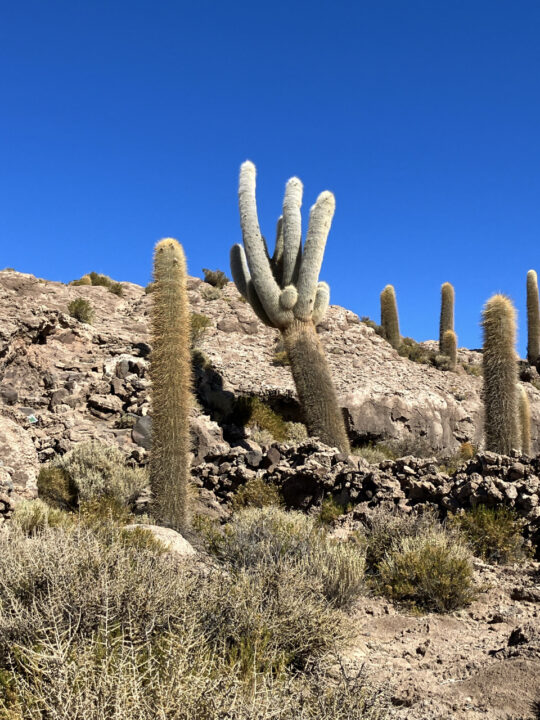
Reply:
x=123, y=122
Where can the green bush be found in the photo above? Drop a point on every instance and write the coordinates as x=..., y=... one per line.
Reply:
x=431, y=571
x=330, y=511
x=374, y=453
x=100, y=280
x=116, y=288
x=199, y=323
x=281, y=359
x=81, y=310
x=271, y=536
x=373, y=325
x=256, y=493
x=91, y=470
x=253, y=412
x=217, y=278
x=494, y=534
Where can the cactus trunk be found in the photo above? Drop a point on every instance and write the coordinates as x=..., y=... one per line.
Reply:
x=171, y=386
x=500, y=376
x=533, y=318
x=524, y=421
x=449, y=347
x=314, y=384
x=389, y=316
x=447, y=312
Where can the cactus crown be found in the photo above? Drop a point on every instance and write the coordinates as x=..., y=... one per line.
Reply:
x=285, y=287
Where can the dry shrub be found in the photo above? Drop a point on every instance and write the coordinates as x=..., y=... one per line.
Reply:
x=97, y=626
x=271, y=537
x=494, y=534
x=432, y=571
x=198, y=324
x=33, y=516
x=89, y=471
x=217, y=278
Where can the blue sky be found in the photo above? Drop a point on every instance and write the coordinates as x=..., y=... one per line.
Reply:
x=124, y=122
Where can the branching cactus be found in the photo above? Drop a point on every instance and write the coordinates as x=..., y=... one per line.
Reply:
x=533, y=319
x=524, y=421
x=170, y=372
x=500, y=375
x=285, y=292
x=389, y=316
x=449, y=347
x=447, y=312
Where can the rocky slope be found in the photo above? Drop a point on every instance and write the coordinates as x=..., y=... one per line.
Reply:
x=63, y=381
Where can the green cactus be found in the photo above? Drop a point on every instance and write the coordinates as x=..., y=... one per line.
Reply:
x=447, y=312
x=449, y=347
x=524, y=421
x=389, y=316
x=500, y=375
x=285, y=292
x=170, y=371
x=533, y=318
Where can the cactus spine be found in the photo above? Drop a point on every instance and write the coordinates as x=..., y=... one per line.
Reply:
x=170, y=372
x=449, y=347
x=389, y=316
x=500, y=375
x=285, y=292
x=524, y=421
x=533, y=318
x=447, y=312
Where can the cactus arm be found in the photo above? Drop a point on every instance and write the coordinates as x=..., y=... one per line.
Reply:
x=239, y=269
x=320, y=219
x=292, y=229
x=258, y=262
x=256, y=305
x=322, y=300
x=277, y=258
x=533, y=318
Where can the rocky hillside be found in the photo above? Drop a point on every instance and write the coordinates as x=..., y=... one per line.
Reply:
x=63, y=381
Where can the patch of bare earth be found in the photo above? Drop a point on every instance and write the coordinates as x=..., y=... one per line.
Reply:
x=481, y=662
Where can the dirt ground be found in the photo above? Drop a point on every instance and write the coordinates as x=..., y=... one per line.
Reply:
x=481, y=662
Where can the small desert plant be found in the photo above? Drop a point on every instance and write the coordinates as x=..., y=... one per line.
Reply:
x=296, y=432
x=373, y=325
x=116, y=288
x=466, y=451
x=91, y=470
x=256, y=493
x=500, y=375
x=254, y=413
x=330, y=511
x=270, y=536
x=210, y=293
x=389, y=316
x=81, y=310
x=217, y=278
x=494, y=534
x=100, y=280
x=149, y=288
x=84, y=280
x=33, y=516
x=199, y=323
x=374, y=453
x=432, y=571
x=473, y=369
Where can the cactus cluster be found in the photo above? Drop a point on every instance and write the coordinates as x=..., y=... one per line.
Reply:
x=285, y=293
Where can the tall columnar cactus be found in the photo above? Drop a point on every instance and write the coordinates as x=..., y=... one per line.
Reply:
x=524, y=421
x=500, y=375
x=285, y=292
x=447, y=312
x=533, y=318
x=389, y=316
x=449, y=347
x=170, y=371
